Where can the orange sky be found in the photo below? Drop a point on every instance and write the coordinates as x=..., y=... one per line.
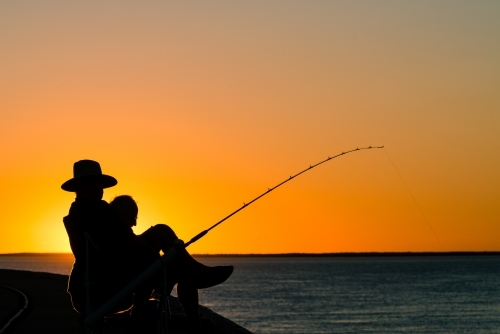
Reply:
x=198, y=107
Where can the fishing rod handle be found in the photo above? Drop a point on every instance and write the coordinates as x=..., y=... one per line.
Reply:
x=196, y=238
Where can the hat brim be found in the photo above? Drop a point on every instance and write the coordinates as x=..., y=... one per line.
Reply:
x=105, y=181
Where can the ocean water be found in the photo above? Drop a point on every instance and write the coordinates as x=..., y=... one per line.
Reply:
x=450, y=294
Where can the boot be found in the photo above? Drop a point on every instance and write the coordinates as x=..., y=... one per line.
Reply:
x=197, y=274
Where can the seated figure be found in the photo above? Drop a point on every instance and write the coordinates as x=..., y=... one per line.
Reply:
x=122, y=255
x=184, y=270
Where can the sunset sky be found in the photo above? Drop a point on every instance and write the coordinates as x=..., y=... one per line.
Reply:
x=197, y=107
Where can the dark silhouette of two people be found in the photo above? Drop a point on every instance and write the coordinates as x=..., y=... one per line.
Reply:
x=116, y=255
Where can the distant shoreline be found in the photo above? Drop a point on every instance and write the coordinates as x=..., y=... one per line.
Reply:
x=345, y=254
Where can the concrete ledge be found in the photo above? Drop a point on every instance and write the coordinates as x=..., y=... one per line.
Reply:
x=223, y=324
x=13, y=305
x=50, y=309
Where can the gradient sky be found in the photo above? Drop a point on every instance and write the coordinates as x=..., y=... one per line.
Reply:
x=197, y=107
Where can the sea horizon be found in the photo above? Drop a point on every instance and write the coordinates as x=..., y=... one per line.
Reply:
x=332, y=254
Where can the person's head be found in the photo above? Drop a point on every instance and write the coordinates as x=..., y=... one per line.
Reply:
x=88, y=180
x=91, y=190
x=126, y=208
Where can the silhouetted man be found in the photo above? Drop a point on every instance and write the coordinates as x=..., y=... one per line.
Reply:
x=117, y=255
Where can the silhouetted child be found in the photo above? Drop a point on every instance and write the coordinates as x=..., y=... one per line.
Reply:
x=126, y=208
x=188, y=273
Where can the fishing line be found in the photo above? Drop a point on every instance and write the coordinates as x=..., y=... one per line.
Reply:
x=414, y=200
x=201, y=234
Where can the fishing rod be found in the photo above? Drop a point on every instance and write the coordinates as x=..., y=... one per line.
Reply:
x=203, y=233
x=178, y=244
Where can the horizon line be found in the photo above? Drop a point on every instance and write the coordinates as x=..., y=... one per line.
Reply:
x=297, y=254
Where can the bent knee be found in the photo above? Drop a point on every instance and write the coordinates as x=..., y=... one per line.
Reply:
x=165, y=231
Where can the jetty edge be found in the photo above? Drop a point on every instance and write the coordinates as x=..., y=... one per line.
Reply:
x=49, y=308
x=13, y=305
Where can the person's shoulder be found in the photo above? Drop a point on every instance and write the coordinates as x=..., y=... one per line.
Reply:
x=90, y=207
x=75, y=207
x=103, y=203
x=105, y=207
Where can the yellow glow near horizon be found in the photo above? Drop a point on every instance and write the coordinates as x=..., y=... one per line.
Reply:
x=198, y=107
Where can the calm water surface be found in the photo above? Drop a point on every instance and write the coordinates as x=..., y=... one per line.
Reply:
x=346, y=295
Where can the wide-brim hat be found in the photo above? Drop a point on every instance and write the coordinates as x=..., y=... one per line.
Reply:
x=86, y=171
